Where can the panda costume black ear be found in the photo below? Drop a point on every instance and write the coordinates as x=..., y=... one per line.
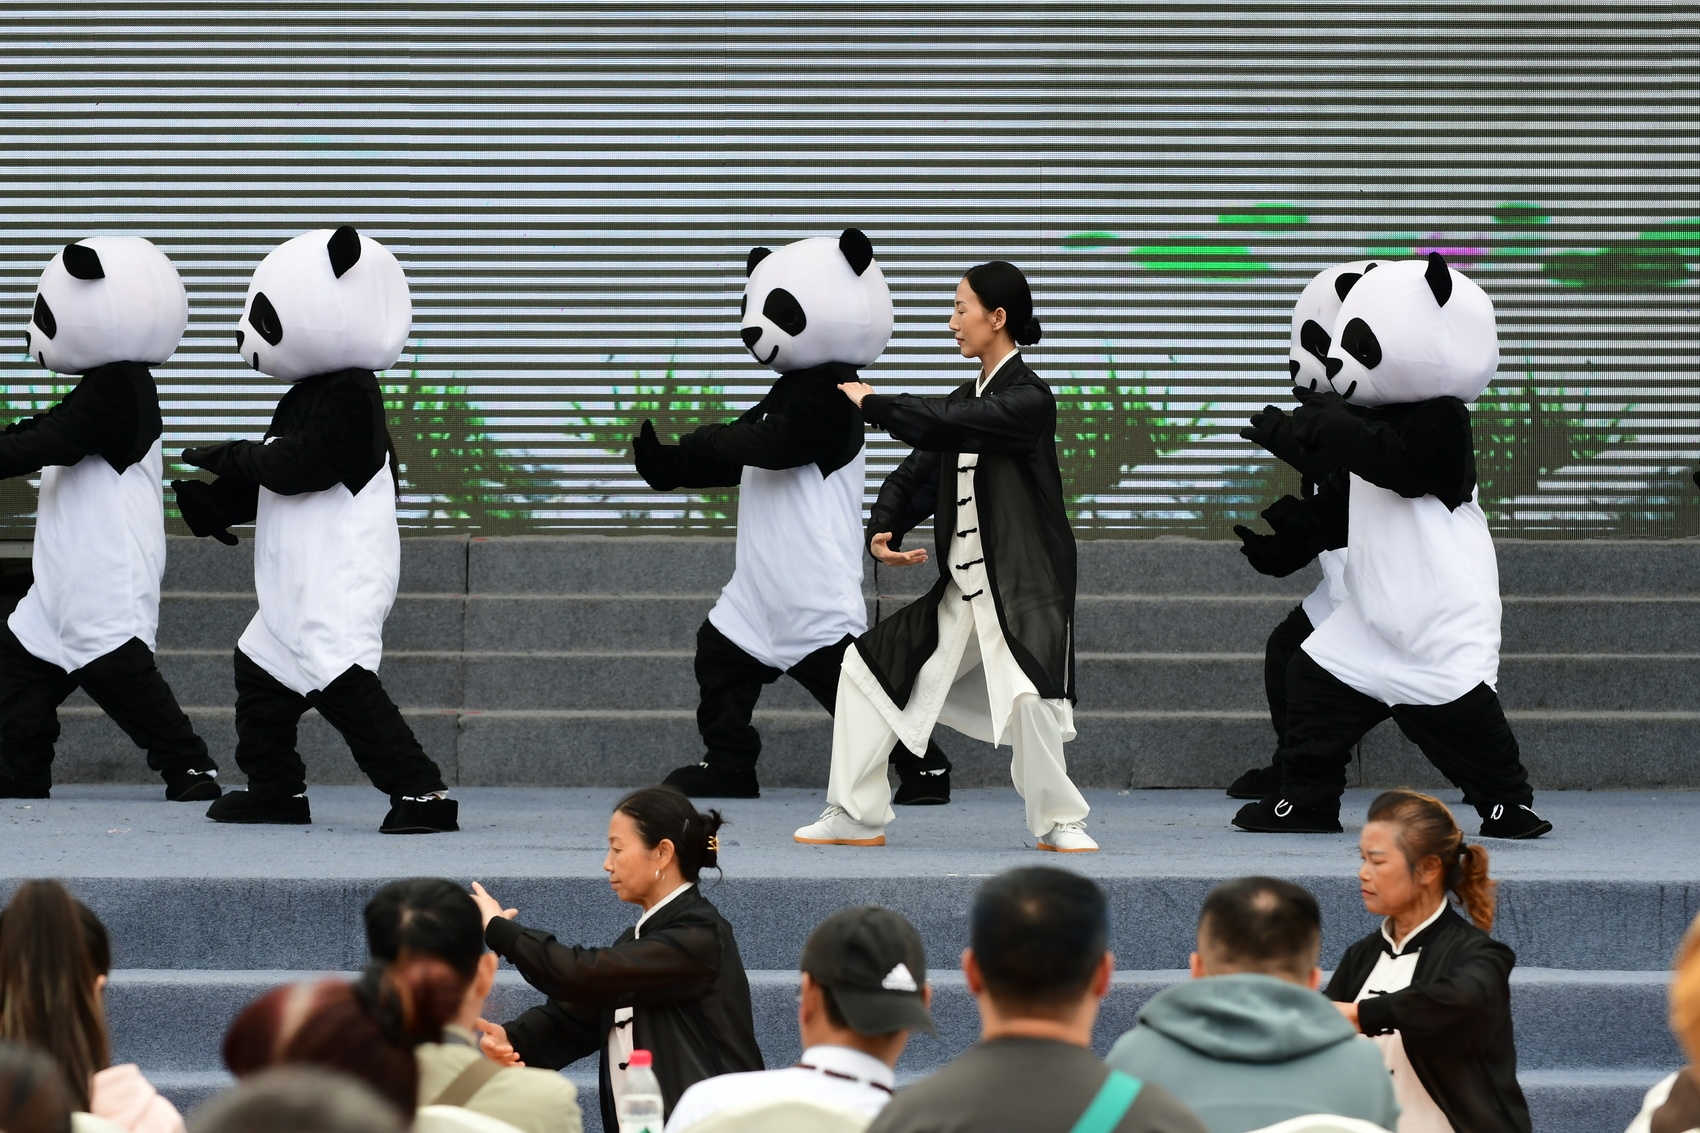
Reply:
x=1439, y=278
x=343, y=249
x=1344, y=281
x=83, y=262
x=757, y=255
x=857, y=249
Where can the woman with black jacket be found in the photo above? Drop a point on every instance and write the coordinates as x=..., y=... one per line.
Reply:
x=1431, y=988
x=673, y=984
x=989, y=650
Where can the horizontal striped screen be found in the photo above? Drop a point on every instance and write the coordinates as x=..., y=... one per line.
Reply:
x=573, y=187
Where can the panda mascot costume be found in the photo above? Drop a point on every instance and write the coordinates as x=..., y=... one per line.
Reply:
x=107, y=308
x=323, y=312
x=1417, y=636
x=814, y=312
x=1307, y=354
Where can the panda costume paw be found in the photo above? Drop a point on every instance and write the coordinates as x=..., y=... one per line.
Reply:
x=200, y=510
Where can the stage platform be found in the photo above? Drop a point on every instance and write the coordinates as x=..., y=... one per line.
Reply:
x=205, y=917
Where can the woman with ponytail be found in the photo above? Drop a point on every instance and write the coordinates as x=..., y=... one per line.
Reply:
x=1430, y=987
x=367, y=1029
x=673, y=984
x=989, y=650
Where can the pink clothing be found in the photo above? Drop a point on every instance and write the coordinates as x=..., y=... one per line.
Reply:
x=122, y=1096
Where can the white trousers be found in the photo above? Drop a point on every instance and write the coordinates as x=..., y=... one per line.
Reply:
x=862, y=741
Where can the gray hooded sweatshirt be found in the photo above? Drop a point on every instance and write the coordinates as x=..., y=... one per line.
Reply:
x=1246, y=1051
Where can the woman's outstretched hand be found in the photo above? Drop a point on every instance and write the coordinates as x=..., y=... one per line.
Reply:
x=880, y=547
x=494, y=1044
x=488, y=907
x=1349, y=1010
x=856, y=391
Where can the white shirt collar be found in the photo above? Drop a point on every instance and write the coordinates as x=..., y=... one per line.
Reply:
x=843, y=1060
x=1399, y=945
x=653, y=909
x=982, y=383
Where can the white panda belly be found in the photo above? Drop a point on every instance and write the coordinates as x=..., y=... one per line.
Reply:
x=797, y=585
x=99, y=556
x=326, y=568
x=1421, y=619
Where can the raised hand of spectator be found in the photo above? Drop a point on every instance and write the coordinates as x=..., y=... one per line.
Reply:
x=494, y=1044
x=488, y=907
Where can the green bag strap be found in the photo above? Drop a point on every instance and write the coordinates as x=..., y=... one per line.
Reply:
x=1114, y=1098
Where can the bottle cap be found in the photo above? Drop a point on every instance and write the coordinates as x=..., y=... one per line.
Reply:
x=640, y=1058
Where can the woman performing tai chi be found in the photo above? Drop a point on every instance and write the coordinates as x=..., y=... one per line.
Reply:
x=989, y=650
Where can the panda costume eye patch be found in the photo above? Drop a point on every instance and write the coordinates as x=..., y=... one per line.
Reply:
x=263, y=317
x=43, y=317
x=784, y=312
x=1314, y=339
x=1360, y=342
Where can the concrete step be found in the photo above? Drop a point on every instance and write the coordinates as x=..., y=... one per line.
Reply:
x=630, y=679
x=1565, y=1021
x=1121, y=623
x=1564, y=750
x=1598, y=1029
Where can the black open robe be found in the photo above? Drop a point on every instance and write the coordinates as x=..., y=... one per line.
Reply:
x=683, y=979
x=1455, y=1020
x=1029, y=546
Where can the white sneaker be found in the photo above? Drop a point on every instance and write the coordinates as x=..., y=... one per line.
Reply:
x=835, y=827
x=1068, y=838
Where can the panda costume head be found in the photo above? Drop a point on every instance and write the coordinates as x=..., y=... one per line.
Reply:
x=103, y=300
x=1313, y=321
x=1410, y=331
x=324, y=301
x=816, y=301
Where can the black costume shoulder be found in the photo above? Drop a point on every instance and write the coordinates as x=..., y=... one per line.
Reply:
x=327, y=430
x=113, y=412
x=1455, y=1020
x=683, y=977
x=1024, y=528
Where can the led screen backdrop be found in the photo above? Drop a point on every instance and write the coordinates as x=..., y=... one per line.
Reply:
x=573, y=188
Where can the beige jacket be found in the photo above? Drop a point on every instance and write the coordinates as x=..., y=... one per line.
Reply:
x=536, y=1101
x=122, y=1096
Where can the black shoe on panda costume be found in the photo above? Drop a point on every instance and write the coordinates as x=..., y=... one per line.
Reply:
x=424, y=814
x=249, y=808
x=191, y=785
x=921, y=782
x=1275, y=815
x=705, y=781
x=1512, y=820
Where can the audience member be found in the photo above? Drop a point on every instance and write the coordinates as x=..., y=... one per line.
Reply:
x=33, y=1098
x=1673, y=1105
x=367, y=1029
x=1037, y=963
x=1250, y=1041
x=1431, y=988
x=864, y=990
x=430, y=917
x=673, y=984
x=55, y=958
x=298, y=1099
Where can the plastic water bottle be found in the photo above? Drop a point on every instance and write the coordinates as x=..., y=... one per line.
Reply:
x=640, y=1102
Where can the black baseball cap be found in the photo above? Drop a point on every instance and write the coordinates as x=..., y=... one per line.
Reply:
x=871, y=961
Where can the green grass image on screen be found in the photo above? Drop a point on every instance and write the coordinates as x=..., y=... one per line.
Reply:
x=676, y=409
x=1523, y=432
x=1269, y=214
x=445, y=454
x=1106, y=426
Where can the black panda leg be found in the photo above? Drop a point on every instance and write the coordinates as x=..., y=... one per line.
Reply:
x=128, y=686
x=1278, y=651
x=1471, y=743
x=356, y=705
x=267, y=715
x=729, y=682
x=31, y=691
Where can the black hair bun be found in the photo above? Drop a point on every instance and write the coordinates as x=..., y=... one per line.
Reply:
x=1030, y=334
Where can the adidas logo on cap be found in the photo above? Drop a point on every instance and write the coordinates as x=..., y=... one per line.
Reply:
x=899, y=979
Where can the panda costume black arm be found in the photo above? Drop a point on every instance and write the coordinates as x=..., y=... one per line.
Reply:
x=327, y=430
x=1304, y=527
x=112, y=411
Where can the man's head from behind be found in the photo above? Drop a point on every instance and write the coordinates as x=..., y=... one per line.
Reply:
x=1262, y=925
x=864, y=983
x=1038, y=947
x=433, y=917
